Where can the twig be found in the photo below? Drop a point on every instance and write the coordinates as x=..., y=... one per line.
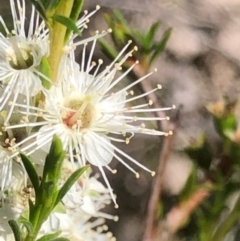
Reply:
x=165, y=125
x=150, y=231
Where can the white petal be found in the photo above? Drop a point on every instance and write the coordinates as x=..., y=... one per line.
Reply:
x=95, y=185
x=88, y=206
x=29, y=80
x=95, y=153
x=112, y=101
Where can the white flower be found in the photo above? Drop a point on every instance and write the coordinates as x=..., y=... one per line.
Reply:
x=9, y=237
x=7, y=213
x=20, y=56
x=9, y=168
x=87, y=194
x=76, y=226
x=12, y=207
x=84, y=112
x=74, y=215
x=95, y=196
x=84, y=20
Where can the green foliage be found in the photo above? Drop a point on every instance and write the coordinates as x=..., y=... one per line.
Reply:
x=67, y=22
x=158, y=48
x=39, y=6
x=200, y=151
x=46, y=71
x=53, y=162
x=25, y=222
x=47, y=192
x=32, y=174
x=220, y=171
x=225, y=123
x=148, y=49
x=16, y=230
x=67, y=185
x=121, y=32
x=76, y=10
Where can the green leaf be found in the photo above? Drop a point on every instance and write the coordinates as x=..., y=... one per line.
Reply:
x=26, y=224
x=68, y=184
x=200, y=151
x=225, y=123
x=31, y=205
x=31, y=172
x=67, y=22
x=16, y=230
x=109, y=21
x=148, y=41
x=50, y=236
x=53, y=162
x=121, y=31
x=40, y=8
x=48, y=188
x=119, y=17
x=31, y=209
x=161, y=45
x=151, y=33
x=46, y=71
x=76, y=10
x=139, y=36
x=48, y=197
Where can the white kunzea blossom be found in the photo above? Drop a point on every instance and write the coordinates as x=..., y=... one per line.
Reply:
x=20, y=56
x=82, y=202
x=7, y=212
x=72, y=216
x=82, y=22
x=14, y=204
x=88, y=116
x=76, y=226
x=9, y=167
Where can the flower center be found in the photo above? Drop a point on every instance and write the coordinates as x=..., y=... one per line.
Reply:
x=19, y=57
x=79, y=112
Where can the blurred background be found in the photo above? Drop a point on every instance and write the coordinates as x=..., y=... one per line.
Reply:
x=199, y=69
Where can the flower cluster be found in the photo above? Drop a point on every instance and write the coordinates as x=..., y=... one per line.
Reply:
x=84, y=108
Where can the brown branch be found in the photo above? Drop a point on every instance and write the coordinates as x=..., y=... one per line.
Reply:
x=164, y=125
x=151, y=222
